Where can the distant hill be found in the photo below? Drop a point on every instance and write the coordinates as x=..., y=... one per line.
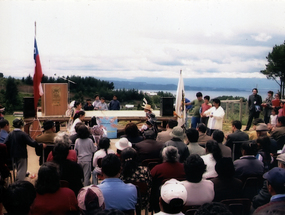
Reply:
x=214, y=84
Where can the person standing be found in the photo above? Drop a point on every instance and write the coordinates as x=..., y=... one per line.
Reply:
x=96, y=102
x=267, y=106
x=88, y=105
x=254, y=107
x=16, y=143
x=114, y=104
x=216, y=115
x=197, y=105
x=102, y=105
x=205, y=106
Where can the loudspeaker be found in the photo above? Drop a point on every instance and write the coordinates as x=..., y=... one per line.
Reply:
x=29, y=110
x=166, y=106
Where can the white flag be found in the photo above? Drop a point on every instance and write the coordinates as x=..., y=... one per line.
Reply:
x=180, y=101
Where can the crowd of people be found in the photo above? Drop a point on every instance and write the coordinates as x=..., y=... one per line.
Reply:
x=161, y=170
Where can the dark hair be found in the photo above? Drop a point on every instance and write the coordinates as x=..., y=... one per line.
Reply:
x=172, y=123
x=174, y=207
x=207, y=97
x=202, y=127
x=225, y=168
x=270, y=92
x=110, y=212
x=96, y=96
x=111, y=165
x=264, y=143
x=218, y=135
x=48, y=178
x=217, y=101
x=76, y=103
x=18, y=197
x=3, y=123
x=199, y=94
x=102, y=98
x=78, y=114
x=249, y=148
x=83, y=132
x=237, y=124
x=104, y=143
x=213, y=208
x=194, y=168
x=275, y=110
x=60, y=152
x=131, y=130
x=78, y=125
x=213, y=147
x=257, y=121
x=277, y=189
x=192, y=135
x=255, y=89
x=129, y=159
x=281, y=119
x=88, y=100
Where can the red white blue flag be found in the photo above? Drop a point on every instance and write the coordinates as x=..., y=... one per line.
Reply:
x=38, y=90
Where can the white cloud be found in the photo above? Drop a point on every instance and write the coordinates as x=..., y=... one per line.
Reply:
x=262, y=37
x=127, y=38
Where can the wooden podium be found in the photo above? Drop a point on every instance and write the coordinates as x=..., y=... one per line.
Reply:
x=55, y=99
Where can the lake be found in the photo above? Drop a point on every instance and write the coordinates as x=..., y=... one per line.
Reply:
x=191, y=95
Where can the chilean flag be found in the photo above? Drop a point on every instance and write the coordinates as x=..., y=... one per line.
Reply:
x=38, y=90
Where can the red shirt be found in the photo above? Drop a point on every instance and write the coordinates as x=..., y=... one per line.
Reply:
x=205, y=107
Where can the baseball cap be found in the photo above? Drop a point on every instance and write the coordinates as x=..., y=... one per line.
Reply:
x=173, y=189
x=276, y=177
x=90, y=198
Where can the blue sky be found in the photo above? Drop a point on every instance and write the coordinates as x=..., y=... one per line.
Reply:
x=141, y=38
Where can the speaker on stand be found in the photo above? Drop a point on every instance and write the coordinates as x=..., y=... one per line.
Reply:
x=166, y=106
x=28, y=110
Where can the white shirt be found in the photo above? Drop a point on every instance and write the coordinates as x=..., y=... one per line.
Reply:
x=216, y=121
x=72, y=128
x=273, y=120
x=100, y=154
x=210, y=161
x=199, y=193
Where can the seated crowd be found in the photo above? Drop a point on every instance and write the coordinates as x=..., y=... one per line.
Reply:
x=168, y=173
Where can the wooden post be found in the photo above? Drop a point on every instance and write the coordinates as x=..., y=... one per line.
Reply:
x=232, y=108
x=227, y=109
x=240, y=109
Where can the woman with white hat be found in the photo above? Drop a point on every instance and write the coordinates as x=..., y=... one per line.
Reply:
x=122, y=144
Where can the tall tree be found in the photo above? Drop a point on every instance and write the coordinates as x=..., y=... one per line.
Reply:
x=275, y=68
x=11, y=95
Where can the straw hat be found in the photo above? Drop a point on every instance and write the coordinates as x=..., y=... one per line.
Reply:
x=123, y=143
x=147, y=106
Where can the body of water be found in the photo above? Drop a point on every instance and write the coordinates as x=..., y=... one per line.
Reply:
x=191, y=95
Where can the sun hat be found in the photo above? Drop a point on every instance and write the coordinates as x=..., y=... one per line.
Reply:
x=261, y=127
x=123, y=143
x=90, y=198
x=177, y=132
x=281, y=158
x=173, y=189
x=147, y=106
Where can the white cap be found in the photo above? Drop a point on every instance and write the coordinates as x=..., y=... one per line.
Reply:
x=173, y=189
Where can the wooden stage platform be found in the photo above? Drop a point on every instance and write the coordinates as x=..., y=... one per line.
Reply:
x=122, y=115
